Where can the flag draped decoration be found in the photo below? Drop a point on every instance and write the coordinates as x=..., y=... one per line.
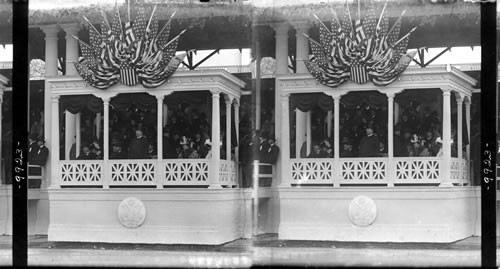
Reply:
x=130, y=53
x=366, y=50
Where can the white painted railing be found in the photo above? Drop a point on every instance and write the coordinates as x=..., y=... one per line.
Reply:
x=148, y=172
x=132, y=172
x=363, y=171
x=227, y=173
x=81, y=173
x=312, y=171
x=418, y=170
x=185, y=172
x=402, y=170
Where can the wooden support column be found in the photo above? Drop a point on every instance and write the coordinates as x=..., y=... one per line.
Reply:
x=281, y=49
x=216, y=143
x=51, y=64
x=159, y=140
x=54, y=148
x=229, y=101
x=237, y=149
x=285, y=149
x=467, y=120
x=446, y=137
x=302, y=45
x=308, y=131
x=391, y=168
x=78, y=122
x=300, y=131
x=336, y=141
x=105, y=144
x=459, y=127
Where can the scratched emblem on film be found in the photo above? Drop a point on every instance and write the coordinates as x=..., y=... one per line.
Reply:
x=131, y=212
x=362, y=211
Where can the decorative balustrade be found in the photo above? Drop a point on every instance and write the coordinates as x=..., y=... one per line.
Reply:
x=81, y=173
x=176, y=172
x=185, y=172
x=312, y=171
x=132, y=172
x=364, y=171
x=227, y=173
x=417, y=170
x=358, y=171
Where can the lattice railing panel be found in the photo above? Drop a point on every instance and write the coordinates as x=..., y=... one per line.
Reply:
x=364, y=171
x=455, y=170
x=87, y=173
x=465, y=168
x=312, y=171
x=227, y=173
x=132, y=172
x=186, y=172
x=417, y=170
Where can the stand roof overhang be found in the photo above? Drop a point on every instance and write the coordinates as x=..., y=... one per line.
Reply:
x=238, y=26
x=181, y=81
x=412, y=78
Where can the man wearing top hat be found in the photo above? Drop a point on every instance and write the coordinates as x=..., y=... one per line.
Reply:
x=41, y=155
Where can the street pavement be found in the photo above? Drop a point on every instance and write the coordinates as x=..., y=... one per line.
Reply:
x=243, y=253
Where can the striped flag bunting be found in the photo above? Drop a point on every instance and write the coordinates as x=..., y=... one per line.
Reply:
x=363, y=51
x=133, y=53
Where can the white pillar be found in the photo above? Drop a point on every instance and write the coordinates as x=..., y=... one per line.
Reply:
x=390, y=139
x=1, y=108
x=71, y=30
x=258, y=97
x=229, y=102
x=159, y=140
x=237, y=149
x=285, y=149
x=336, y=140
x=445, y=178
x=459, y=127
x=216, y=143
x=69, y=132
x=308, y=130
x=54, y=139
x=281, y=56
x=51, y=63
x=302, y=46
x=467, y=120
x=105, y=146
x=78, y=133
x=300, y=131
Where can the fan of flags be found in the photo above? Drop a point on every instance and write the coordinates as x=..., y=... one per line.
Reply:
x=365, y=51
x=134, y=53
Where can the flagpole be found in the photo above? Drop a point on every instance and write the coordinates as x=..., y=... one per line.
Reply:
x=381, y=14
x=173, y=39
x=359, y=11
x=404, y=36
x=335, y=16
x=87, y=20
x=151, y=18
x=399, y=19
x=322, y=23
x=165, y=26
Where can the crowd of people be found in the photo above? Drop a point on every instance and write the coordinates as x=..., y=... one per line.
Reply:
x=363, y=133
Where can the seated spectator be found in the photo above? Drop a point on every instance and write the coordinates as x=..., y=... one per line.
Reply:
x=117, y=152
x=208, y=144
x=317, y=152
x=186, y=149
x=168, y=149
x=86, y=154
x=369, y=146
x=152, y=151
x=96, y=149
x=439, y=144
x=347, y=148
x=41, y=155
x=326, y=147
x=415, y=146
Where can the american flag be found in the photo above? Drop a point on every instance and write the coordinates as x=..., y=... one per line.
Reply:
x=367, y=52
x=135, y=53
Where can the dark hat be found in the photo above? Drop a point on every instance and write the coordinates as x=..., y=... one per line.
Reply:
x=33, y=137
x=41, y=139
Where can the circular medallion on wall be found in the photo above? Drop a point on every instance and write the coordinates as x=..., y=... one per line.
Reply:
x=131, y=212
x=362, y=211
